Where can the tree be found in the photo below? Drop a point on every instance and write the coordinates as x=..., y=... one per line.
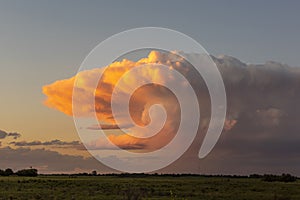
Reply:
x=8, y=172
x=27, y=172
x=94, y=173
x=282, y=178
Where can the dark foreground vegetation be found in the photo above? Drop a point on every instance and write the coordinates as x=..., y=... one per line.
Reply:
x=23, y=172
x=142, y=186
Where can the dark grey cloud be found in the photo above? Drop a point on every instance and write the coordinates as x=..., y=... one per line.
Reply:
x=46, y=143
x=137, y=146
x=4, y=134
x=14, y=135
x=103, y=127
x=47, y=161
x=263, y=99
x=107, y=127
x=263, y=135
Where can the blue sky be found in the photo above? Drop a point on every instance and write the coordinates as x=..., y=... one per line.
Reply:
x=253, y=31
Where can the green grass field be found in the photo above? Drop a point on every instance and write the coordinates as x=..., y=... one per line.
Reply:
x=113, y=187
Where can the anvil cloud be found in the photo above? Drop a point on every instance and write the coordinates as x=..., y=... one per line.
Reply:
x=261, y=129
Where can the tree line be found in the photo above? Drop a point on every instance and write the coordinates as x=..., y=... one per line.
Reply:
x=23, y=172
x=266, y=177
x=275, y=178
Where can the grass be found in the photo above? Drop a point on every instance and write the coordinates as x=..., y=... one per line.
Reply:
x=151, y=188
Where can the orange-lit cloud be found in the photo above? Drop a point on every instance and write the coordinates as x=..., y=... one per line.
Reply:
x=229, y=124
x=59, y=96
x=59, y=93
x=261, y=129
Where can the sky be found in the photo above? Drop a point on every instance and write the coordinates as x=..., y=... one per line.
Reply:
x=45, y=41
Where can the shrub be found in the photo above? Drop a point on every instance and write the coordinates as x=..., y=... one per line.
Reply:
x=283, y=178
x=27, y=172
x=6, y=172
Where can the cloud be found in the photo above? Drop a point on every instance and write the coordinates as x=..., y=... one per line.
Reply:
x=46, y=143
x=14, y=135
x=262, y=101
x=47, y=161
x=269, y=117
x=229, y=124
x=60, y=95
x=122, y=141
x=107, y=127
x=4, y=134
x=141, y=100
x=261, y=132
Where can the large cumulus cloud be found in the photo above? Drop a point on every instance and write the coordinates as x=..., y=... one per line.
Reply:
x=142, y=99
x=263, y=101
x=261, y=133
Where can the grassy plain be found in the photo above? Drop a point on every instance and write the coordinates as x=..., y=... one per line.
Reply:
x=151, y=188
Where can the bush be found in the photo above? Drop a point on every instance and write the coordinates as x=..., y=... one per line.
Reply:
x=283, y=178
x=27, y=172
x=6, y=172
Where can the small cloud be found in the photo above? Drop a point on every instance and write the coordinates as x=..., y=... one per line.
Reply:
x=269, y=117
x=14, y=135
x=3, y=134
x=61, y=143
x=47, y=143
x=123, y=141
x=107, y=127
x=229, y=124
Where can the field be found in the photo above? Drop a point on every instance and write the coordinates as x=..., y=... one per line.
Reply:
x=152, y=187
